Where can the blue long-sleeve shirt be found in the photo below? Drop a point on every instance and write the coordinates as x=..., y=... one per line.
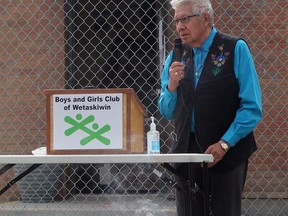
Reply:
x=250, y=111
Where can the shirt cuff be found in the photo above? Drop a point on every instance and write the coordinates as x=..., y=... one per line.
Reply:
x=172, y=95
x=231, y=139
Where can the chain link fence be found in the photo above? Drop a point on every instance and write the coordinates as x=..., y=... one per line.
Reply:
x=75, y=44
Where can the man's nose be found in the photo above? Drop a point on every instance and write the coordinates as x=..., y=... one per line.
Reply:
x=180, y=25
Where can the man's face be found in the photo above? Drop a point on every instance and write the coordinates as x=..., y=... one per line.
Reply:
x=191, y=28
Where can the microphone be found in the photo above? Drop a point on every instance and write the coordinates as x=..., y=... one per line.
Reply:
x=177, y=52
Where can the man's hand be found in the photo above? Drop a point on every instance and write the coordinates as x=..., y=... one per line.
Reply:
x=176, y=73
x=217, y=151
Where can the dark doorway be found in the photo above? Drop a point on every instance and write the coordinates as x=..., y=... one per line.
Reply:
x=113, y=44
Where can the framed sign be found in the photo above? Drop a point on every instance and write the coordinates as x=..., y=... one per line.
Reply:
x=88, y=121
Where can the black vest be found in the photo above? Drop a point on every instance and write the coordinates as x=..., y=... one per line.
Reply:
x=215, y=102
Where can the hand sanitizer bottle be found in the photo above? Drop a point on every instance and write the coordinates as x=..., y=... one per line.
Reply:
x=153, y=139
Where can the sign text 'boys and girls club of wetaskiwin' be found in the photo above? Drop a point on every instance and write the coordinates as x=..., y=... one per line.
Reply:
x=87, y=121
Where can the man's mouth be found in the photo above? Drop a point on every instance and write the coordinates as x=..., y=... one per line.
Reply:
x=183, y=35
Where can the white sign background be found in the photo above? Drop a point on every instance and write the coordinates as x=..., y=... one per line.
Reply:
x=110, y=114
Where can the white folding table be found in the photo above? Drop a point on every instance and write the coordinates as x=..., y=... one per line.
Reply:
x=163, y=159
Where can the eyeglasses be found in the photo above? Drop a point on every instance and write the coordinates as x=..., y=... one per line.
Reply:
x=184, y=20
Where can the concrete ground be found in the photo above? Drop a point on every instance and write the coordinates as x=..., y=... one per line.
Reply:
x=127, y=205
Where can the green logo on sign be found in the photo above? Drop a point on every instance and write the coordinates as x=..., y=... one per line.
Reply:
x=81, y=124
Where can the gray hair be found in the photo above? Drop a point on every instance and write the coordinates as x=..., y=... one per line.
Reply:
x=198, y=6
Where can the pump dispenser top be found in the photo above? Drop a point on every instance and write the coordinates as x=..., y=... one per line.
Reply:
x=152, y=125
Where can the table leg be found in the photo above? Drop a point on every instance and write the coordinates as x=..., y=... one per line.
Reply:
x=6, y=168
x=192, y=193
x=206, y=188
x=19, y=177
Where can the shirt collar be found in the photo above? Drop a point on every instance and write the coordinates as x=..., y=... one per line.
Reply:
x=208, y=41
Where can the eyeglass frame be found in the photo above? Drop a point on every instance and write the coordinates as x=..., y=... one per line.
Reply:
x=185, y=19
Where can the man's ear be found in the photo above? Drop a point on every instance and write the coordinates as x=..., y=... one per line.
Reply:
x=207, y=19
